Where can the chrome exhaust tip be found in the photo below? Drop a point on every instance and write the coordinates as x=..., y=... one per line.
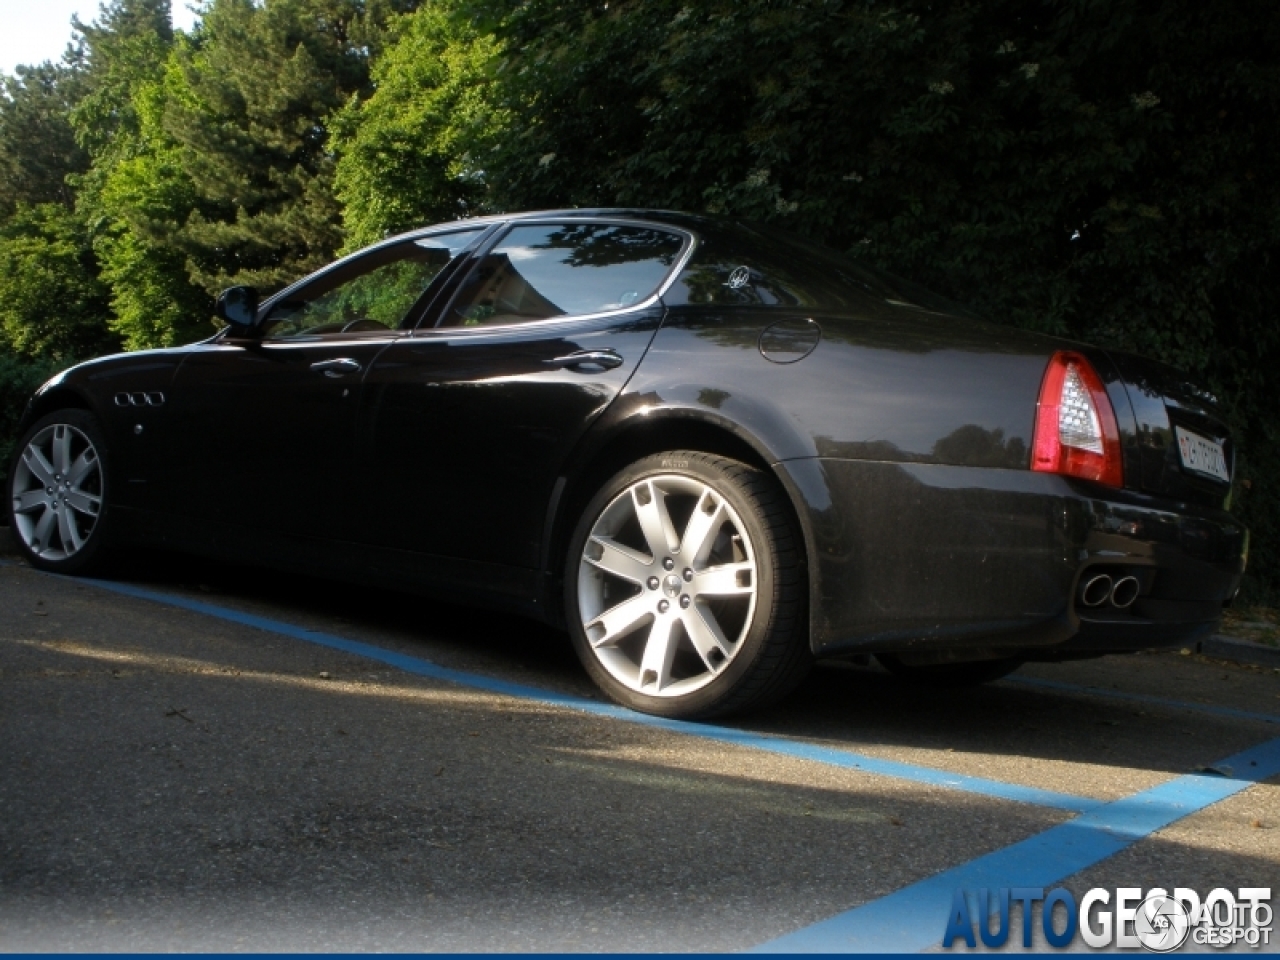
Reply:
x=1124, y=592
x=1096, y=590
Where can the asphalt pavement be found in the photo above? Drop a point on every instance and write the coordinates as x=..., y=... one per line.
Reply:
x=204, y=757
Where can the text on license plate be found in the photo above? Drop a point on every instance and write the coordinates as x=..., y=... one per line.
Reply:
x=1201, y=455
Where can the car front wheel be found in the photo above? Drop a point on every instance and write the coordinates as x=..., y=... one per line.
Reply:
x=58, y=489
x=685, y=587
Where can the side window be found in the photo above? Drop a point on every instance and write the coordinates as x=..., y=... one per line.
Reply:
x=372, y=294
x=537, y=272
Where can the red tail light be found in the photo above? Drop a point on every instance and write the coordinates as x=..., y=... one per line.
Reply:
x=1076, y=432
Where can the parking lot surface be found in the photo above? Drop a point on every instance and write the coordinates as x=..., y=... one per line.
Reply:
x=203, y=757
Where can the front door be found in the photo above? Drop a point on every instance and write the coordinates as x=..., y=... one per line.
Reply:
x=266, y=426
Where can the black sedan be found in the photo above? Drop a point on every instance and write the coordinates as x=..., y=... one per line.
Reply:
x=711, y=451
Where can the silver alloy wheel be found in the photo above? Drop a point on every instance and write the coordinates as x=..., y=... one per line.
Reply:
x=667, y=585
x=57, y=492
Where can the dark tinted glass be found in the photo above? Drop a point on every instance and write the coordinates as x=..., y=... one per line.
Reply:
x=746, y=263
x=735, y=265
x=537, y=272
x=371, y=294
x=881, y=283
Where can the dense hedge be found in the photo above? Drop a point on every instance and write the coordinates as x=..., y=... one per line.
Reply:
x=1107, y=170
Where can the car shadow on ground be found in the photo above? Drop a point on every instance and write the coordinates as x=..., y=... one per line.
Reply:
x=1008, y=729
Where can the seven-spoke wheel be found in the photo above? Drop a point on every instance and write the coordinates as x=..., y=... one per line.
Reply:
x=686, y=587
x=666, y=594
x=57, y=491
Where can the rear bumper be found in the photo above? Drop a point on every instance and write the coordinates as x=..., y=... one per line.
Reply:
x=925, y=558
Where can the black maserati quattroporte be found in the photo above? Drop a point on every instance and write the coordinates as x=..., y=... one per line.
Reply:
x=711, y=451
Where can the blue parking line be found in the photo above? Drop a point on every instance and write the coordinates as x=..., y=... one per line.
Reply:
x=1229, y=712
x=741, y=738
x=915, y=917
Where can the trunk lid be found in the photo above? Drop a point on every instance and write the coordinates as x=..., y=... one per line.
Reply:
x=1170, y=407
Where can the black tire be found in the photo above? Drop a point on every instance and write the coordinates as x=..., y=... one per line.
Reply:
x=771, y=655
x=58, y=552
x=950, y=676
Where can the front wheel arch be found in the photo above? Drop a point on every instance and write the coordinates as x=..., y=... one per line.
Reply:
x=48, y=401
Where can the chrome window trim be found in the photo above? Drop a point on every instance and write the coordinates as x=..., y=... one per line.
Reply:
x=412, y=237
x=690, y=241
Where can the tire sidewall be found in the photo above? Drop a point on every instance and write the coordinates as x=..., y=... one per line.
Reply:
x=706, y=699
x=91, y=554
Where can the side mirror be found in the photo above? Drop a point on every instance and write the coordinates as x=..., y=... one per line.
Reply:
x=238, y=306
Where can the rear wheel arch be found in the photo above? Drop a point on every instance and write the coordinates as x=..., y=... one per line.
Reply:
x=639, y=438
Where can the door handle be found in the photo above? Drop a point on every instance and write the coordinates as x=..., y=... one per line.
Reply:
x=601, y=358
x=337, y=367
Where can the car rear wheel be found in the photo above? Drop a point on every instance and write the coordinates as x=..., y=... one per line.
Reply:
x=685, y=587
x=949, y=675
x=58, y=492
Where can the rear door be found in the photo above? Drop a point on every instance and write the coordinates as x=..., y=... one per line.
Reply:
x=465, y=425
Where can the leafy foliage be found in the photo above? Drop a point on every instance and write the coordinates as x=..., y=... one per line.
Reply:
x=139, y=197
x=128, y=40
x=51, y=307
x=403, y=150
x=136, y=194
x=51, y=301
x=1105, y=171
x=218, y=171
x=247, y=113
x=38, y=149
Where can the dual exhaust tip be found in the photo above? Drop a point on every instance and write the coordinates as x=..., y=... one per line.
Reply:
x=1101, y=588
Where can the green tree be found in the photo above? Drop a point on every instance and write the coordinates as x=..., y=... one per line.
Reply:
x=403, y=151
x=52, y=304
x=139, y=199
x=38, y=148
x=250, y=120
x=125, y=44
x=63, y=130
x=135, y=195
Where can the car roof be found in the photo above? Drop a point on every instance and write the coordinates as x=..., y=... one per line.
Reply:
x=672, y=217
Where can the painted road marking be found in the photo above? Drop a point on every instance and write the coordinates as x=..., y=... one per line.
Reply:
x=741, y=738
x=915, y=917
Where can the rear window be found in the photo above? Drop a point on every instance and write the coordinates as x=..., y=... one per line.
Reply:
x=742, y=263
x=738, y=265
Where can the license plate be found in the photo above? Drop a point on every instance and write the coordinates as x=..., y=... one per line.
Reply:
x=1202, y=455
